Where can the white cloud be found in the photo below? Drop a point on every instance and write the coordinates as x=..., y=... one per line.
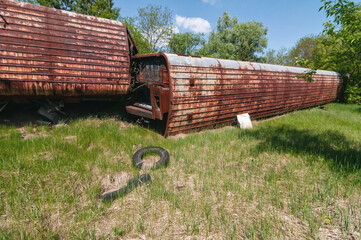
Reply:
x=197, y=25
x=212, y=2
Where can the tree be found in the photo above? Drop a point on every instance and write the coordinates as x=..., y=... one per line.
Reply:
x=234, y=40
x=280, y=57
x=340, y=47
x=139, y=40
x=185, y=43
x=156, y=24
x=59, y=4
x=304, y=49
x=98, y=8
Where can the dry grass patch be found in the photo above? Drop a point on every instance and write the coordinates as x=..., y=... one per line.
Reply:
x=292, y=177
x=115, y=182
x=29, y=133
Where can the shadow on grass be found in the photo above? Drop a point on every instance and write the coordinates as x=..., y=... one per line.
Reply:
x=20, y=115
x=332, y=146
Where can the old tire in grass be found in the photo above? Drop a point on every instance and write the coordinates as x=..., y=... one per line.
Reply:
x=131, y=184
x=138, y=157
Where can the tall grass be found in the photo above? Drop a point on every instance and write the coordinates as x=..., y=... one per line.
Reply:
x=294, y=176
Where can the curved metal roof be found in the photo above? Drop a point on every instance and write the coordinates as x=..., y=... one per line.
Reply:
x=194, y=61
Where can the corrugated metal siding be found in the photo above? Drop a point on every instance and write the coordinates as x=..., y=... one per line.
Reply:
x=55, y=53
x=207, y=92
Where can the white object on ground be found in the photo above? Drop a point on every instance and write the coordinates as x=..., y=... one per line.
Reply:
x=244, y=121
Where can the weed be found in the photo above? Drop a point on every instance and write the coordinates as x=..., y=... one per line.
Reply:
x=295, y=176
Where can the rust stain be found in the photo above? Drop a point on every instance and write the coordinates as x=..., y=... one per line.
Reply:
x=206, y=92
x=52, y=53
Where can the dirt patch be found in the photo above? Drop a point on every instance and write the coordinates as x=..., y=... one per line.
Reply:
x=186, y=181
x=330, y=234
x=178, y=136
x=45, y=155
x=97, y=122
x=93, y=122
x=69, y=138
x=182, y=180
x=292, y=227
x=61, y=125
x=123, y=125
x=149, y=161
x=6, y=135
x=120, y=157
x=115, y=182
x=90, y=146
x=136, y=147
x=29, y=135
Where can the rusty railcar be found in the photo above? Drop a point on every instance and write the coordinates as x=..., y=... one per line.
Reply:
x=55, y=54
x=197, y=92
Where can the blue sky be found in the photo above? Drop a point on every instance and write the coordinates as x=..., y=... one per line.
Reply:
x=286, y=20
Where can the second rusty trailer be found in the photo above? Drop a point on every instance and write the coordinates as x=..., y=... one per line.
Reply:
x=55, y=54
x=191, y=93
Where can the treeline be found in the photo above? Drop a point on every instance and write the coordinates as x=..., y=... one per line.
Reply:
x=337, y=48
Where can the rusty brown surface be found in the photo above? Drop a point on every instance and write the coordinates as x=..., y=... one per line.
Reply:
x=206, y=92
x=46, y=52
x=152, y=73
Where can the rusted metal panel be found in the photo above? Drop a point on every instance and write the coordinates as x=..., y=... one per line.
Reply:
x=51, y=53
x=151, y=88
x=217, y=90
x=139, y=111
x=153, y=70
x=205, y=92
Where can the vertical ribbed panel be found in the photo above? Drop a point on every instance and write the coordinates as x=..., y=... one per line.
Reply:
x=206, y=92
x=55, y=53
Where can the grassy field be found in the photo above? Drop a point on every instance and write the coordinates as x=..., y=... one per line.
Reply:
x=296, y=176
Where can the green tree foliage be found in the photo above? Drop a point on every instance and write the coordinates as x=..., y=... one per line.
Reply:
x=299, y=55
x=185, y=43
x=304, y=49
x=235, y=40
x=320, y=52
x=340, y=47
x=139, y=40
x=59, y=4
x=98, y=8
x=280, y=57
x=155, y=22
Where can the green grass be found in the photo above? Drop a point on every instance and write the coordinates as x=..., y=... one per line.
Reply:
x=291, y=177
